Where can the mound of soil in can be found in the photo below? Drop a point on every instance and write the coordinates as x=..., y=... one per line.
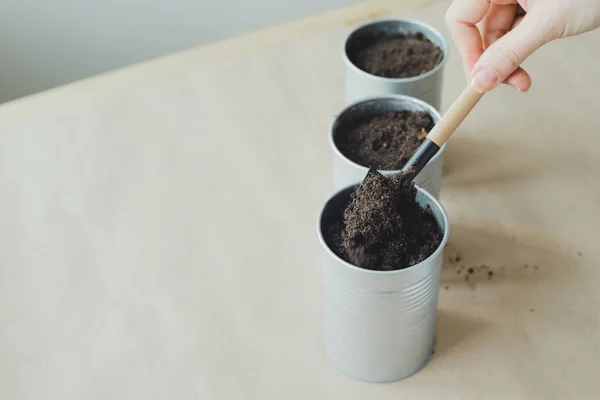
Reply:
x=385, y=141
x=401, y=56
x=383, y=228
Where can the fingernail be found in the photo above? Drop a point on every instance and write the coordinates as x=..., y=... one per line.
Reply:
x=484, y=79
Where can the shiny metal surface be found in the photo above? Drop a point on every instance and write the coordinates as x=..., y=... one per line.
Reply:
x=380, y=326
x=361, y=84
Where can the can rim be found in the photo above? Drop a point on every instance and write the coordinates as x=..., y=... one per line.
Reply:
x=431, y=109
x=432, y=200
x=422, y=25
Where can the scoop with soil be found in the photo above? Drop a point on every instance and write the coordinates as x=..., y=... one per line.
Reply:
x=383, y=133
x=383, y=228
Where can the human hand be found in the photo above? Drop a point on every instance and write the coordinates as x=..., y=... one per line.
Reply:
x=508, y=31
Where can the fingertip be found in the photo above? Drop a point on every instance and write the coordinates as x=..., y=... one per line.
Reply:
x=520, y=89
x=520, y=80
x=484, y=79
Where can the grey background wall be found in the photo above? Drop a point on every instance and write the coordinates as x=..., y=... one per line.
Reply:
x=46, y=43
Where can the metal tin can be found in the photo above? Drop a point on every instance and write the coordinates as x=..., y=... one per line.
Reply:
x=347, y=172
x=380, y=326
x=361, y=84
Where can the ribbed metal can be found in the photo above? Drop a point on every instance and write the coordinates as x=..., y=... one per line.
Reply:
x=361, y=84
x=346, y=172
x=379, y=326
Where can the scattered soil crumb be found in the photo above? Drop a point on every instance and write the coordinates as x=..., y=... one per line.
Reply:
x=470, y=270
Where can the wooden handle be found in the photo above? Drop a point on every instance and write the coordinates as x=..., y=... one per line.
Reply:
x=455, y=115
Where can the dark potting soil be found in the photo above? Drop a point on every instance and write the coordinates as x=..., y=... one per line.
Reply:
x=383, y=228
x=385, y=141
x=400, y=56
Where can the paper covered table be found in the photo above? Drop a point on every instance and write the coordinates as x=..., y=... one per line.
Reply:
x=158, y=228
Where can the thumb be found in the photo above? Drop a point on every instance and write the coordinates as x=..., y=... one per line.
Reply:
x=505, y=55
